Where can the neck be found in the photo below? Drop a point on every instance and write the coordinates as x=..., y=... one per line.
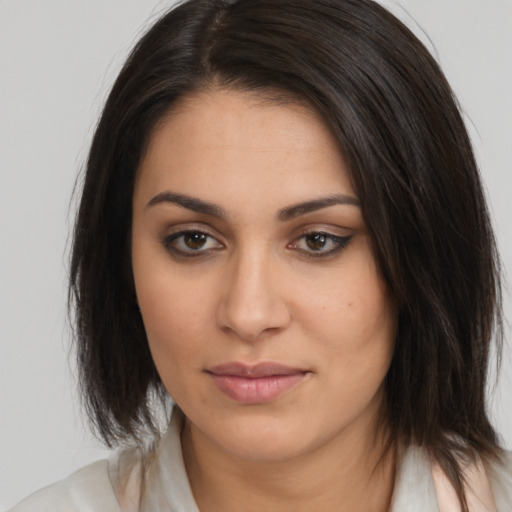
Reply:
x=353, y=472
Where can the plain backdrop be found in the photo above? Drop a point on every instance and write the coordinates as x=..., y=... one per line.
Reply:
x=58, y=59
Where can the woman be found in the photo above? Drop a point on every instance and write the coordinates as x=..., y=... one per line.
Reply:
x=282, y=227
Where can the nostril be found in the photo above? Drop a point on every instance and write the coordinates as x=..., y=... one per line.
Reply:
x=250, y=317
x=251, y=302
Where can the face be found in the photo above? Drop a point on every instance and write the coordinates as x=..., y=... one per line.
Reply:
x=266, y=316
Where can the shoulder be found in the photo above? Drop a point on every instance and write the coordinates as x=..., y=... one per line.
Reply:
x=89, y=489
x=499, y=472
x=422, y=484
x=116, y=484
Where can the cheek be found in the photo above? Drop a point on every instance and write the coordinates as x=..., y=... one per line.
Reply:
x=174, y=323
x=354, y=320
x=175, y=316
x=176, y=341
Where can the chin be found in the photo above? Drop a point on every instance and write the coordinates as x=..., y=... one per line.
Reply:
x=265, y=448
x=263, y=438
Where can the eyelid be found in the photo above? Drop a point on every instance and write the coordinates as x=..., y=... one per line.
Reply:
x=175, y=251
x=332, y=235
x=340, y=242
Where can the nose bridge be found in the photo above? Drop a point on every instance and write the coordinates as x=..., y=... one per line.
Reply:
x=253, y=302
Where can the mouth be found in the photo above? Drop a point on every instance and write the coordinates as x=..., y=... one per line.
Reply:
x=255, y=384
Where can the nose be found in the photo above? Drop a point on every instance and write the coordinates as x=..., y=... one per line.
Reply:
x=253, y=300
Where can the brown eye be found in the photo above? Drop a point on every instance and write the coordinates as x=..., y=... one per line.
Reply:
x=195, y=240
x=318, y=244
x=191, y=243
x=316, y=241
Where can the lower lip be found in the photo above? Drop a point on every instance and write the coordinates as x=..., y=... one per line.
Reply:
x=256, y=390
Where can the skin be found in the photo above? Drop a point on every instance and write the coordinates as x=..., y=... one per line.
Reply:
x=256, y=286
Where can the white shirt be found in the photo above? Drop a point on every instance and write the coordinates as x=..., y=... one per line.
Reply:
x=114, y=485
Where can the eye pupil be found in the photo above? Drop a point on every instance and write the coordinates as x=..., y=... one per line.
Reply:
x=316, y=241
x=194, y=240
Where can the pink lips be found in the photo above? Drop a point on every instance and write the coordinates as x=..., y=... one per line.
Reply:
x=255, y=384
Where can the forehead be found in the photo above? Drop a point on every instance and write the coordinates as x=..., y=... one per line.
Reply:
x=245, y=141
x=227, y=112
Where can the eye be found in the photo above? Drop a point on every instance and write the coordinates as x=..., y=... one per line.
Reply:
x=318, y=244
x=191, y=243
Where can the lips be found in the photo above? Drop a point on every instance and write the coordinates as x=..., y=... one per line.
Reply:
x=255, y=384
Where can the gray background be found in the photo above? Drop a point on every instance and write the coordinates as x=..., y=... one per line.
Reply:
x=58, y=59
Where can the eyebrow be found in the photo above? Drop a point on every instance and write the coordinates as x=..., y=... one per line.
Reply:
x=291, y=212
x=285, y=214
x=191, y=203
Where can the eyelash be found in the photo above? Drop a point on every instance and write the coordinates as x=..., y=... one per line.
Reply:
x=339, y=243
x=171, y=244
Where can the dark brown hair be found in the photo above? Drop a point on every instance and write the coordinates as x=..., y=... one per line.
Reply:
x=401, y=132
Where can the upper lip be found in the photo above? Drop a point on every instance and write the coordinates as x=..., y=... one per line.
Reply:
x=259, y=370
